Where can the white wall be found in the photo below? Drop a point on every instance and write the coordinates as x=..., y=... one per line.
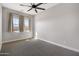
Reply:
x=60, y=24
x=12, y=36
x=0, y=26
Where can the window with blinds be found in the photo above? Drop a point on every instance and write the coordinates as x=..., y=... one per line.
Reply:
x=19, y=23
x=15, y=23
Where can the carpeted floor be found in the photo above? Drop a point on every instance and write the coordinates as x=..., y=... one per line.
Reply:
x=34, y=48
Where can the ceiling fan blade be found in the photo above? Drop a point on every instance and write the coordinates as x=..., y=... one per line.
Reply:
x=40, y=8
x=36, y=11
x=29, y=9
x=39, y=4
x=24, y=5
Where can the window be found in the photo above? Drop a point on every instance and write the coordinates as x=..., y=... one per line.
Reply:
x=19, y=23
x=15, y=23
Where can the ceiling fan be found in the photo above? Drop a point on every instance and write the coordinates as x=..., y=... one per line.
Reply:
x=35, y=6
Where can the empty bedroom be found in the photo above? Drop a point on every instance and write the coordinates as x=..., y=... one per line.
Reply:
x=39, y=29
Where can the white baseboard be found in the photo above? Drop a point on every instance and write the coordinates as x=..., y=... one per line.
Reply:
x=14, y=40
x=63, y=46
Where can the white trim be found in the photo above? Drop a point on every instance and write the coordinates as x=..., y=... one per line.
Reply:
x=11, y=41
x=0, y=26
x=14, y=40
x=70, y=48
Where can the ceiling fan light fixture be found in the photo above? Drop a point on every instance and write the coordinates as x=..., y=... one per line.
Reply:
x=35, y=6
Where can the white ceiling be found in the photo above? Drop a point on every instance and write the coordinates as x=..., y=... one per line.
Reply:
x=16, y=6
